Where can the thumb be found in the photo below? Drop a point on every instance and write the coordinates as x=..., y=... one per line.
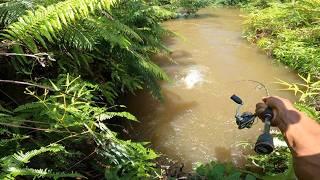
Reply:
x=265, y=99
x=260, y=108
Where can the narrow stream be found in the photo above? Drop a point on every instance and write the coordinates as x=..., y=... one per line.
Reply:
x=210, y=61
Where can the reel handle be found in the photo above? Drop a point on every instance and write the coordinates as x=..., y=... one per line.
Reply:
x=236, y=99
x=264, y=144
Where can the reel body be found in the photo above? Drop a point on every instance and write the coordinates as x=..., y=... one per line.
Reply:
x=245, y=120
x=264, y=144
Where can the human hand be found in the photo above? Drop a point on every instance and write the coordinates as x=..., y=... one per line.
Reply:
x=280, y=108
x=301, y=133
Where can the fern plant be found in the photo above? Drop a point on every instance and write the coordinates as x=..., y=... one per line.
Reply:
x=11, y=10
x=16, y=165
x=110, y=44
x=115, y=42
x=66, y=111
x=47, y=22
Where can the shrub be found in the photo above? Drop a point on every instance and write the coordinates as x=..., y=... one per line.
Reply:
x=289, y=32
x=46, y=46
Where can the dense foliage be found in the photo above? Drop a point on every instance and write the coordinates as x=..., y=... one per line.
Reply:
x=64, y=65
x=288, y=31
x=190, y=6
x=215, y=170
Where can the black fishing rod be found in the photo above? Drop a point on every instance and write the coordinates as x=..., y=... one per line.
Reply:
x=264, y=144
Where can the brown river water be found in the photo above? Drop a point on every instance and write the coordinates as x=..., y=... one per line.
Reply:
x=210, y=61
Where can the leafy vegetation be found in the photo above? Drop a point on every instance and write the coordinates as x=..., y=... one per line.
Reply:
x=191, y=6
x=308, y=93
x=65, y=64
x=215, y=170
x=67, y=115
x=13, y=165
x=288, y=31
x=230, y=2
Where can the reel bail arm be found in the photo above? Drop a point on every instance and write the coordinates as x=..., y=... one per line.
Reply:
x=244, y=120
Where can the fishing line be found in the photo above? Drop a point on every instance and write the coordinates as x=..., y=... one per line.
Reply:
x=257, y=82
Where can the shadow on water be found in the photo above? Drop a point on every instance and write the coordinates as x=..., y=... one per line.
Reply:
x=180, y=54
x=206, y=15
x=178, y=57
x=223, y=154
x=198, y=16
x=169, y=40
x=171, y=107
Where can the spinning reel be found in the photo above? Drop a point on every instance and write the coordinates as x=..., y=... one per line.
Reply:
x=264, y=144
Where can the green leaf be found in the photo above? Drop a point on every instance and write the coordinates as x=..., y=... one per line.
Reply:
x=250, y=177
x=217, y=171
x=54, y=86
x=109, y=115
x=234, y=176
x=36, y=24
x=2, y=109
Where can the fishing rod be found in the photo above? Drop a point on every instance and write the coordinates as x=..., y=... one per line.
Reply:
x=264, y=144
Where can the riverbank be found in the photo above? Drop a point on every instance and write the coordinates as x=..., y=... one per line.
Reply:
x=289, y=32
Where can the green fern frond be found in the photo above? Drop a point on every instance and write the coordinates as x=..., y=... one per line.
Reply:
x=108, y=91
x=42, y=173
x=109, y=115
x=34, y=106
x=159, y=12
x=147, y=71
x=78, y=36
x=2, y=115
x=25, y=157
x=154, y=69
x=4, y=131
x=15, y=137
x=126, y=30
x=91, y=31
x=101, y=29
x=46, y=22
x=2, y=109
x=11, y=10
x=14, y=165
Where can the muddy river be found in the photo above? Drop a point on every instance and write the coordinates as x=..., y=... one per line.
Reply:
x=210, y=62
